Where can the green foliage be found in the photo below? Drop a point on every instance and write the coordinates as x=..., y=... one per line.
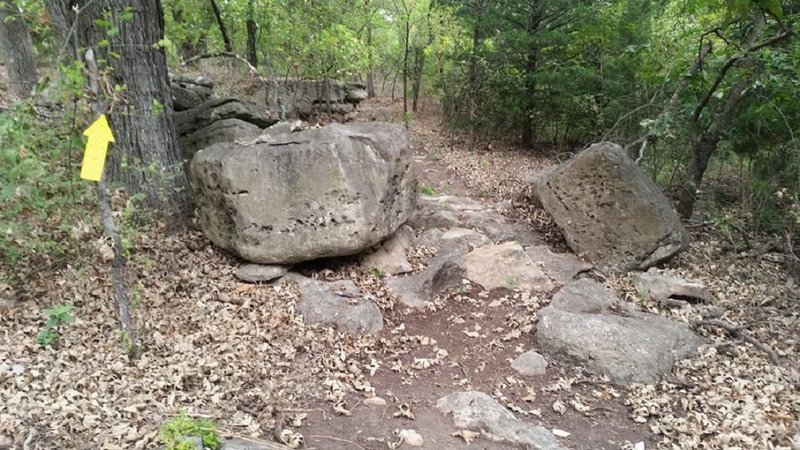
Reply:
x=426, y=189
x=57, y=315
x=174, y=433
x=40, y=196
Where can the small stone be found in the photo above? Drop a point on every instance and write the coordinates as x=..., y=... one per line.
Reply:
x=661, y=287
x=411, y=437
x=258, y=273
x=374, y=401
x=530, y=363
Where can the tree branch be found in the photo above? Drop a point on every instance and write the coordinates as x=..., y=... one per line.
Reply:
x=735, y=332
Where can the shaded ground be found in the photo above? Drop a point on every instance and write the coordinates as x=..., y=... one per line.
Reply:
x=239, y=354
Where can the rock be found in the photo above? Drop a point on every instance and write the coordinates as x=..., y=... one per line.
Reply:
x=458, y=239
x=337, y=303
x=448, y=211
x=226, y=130
x=284, y=127
x=530, y=363
x=632, y=348
x=477, y=411
x=390, y=259
x=505, y=265
x=411, y=438
x=561, y=268
x=213, y=110
x=610, y=211
x=243, y=444
x=661, y=288
x=305, y=98
x=445, y=271
x=330, y=191
x=184, y=98
x=255, y=273
x=374, y=401
x=508, y=265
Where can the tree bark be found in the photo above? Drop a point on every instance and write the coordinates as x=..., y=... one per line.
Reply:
x=17, y=49
x=145, y=160
x=370, y=73
x=226, y=39
x=252, y=29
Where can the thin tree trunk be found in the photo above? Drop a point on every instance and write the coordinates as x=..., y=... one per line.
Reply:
x=17, y=49
x=370, y=74
x=405, y=65
x=252, y=28
x=222, y=29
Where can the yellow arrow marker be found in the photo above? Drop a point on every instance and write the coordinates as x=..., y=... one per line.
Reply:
x=94, y=158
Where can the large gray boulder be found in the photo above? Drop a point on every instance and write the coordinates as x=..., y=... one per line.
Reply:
x=610, y=211
x=324, y=192
x=634, y=347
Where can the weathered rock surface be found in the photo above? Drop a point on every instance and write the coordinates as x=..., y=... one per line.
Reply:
x=530, y=363
x=510, y=266
x=325, y=192
x=661, y=287
x=445, y=271
x=461, y=240
x=214, y=110
x=448, y=211
x=479, y=412
x=390, y=259
x=189, y=92
x=225, y=130
x=184, y=98
x=304, y=98
x=610, y=211
x=257, y=273
x=337, y=303
x=633, y=348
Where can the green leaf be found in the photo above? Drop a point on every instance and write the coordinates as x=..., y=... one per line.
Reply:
x=772, y=6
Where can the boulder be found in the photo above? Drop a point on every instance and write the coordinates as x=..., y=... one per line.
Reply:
x=213, y=110
x=305, y=98
x=390, y=258
x=530, y=363
x=184, y=98
x=330, y=191
x=226, y=130
x=478, y=411
x=445, y=271
x=635, y=347
x=259, y=273
x=662, y=288
x=610, y=211
x=337, y=303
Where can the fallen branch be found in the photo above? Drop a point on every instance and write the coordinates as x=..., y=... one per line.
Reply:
x=737, y=332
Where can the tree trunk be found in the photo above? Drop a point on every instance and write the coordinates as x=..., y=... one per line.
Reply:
x=419, y=65
x=252, y=28
x=531, y=66
x=370, y=74
x=222, y=29
x=17, y=49
x=405, y=65
x=145, y=160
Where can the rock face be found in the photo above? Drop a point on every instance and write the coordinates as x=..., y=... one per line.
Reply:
x=510, y=266
x=216, y=109
x=225, y=130
x=634, y=348
x=189, y=92
x=477, y=411
x=448, y=211
x=304, y=98
x=462, y=240
x=337, y=303
x=610, y=211
x=445, y=271
x=323, y=192
x=390, y=259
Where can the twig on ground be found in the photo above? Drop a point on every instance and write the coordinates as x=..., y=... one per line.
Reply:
x=737, y=332
x=318, y=436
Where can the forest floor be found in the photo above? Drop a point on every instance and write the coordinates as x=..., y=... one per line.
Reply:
x=238, y=353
